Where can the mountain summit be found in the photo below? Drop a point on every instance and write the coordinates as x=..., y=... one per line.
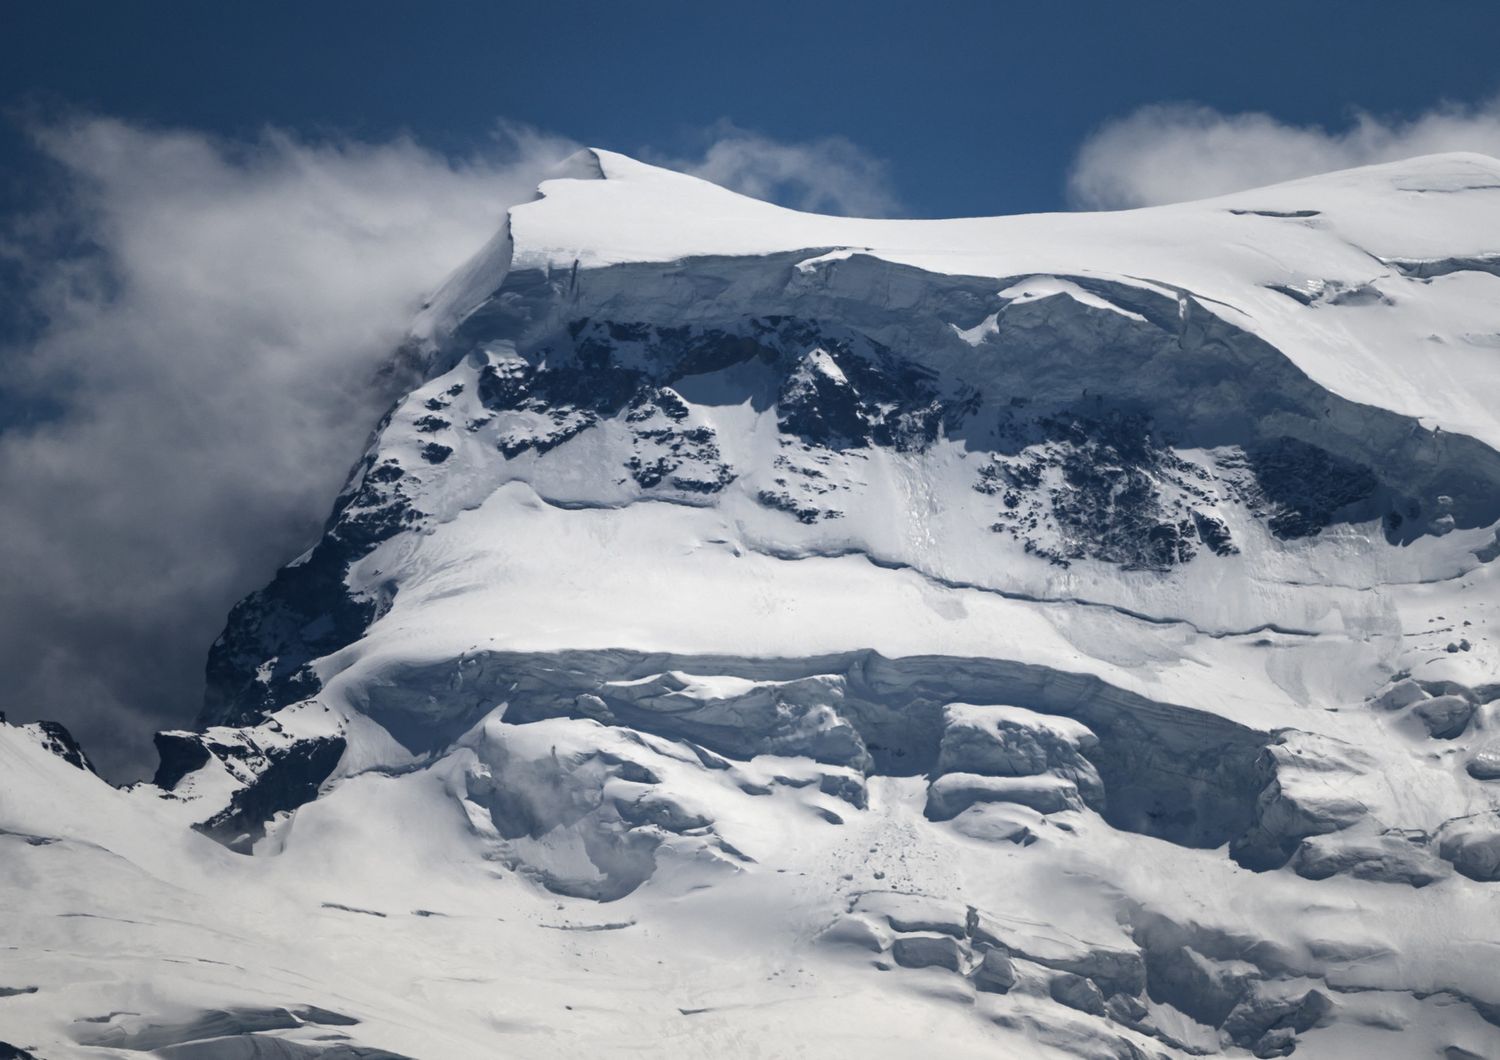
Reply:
x=1059, y=635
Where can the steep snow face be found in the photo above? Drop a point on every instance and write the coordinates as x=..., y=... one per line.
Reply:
x=1376, y=281
x=1069, y=635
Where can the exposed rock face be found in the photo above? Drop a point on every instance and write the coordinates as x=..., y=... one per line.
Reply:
x=1445, y=717
x=270, y=769
x=288, y=778
x=1069, y=635
x=926, y=951
x=1072, y=454
x=1267, y=1020
x=1473, y=845
x=1401, y=694
x=260, y=661
x=1078, y=993
x=1307, y=485
x=55, y=739
x=1117, y=492
x=995, y=974
x=1484, y=763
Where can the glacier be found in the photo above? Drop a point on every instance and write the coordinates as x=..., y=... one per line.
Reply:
x=754, y=633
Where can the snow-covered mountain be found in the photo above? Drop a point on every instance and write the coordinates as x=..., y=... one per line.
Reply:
x=762, y=634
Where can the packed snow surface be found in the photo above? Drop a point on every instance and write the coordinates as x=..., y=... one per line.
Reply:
x=760, y=634
x=1425, y=349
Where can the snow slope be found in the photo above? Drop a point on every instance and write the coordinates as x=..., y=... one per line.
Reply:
x=762, y=634
x=1360, y=234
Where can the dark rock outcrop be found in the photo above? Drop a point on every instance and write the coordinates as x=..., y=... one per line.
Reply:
x=927, y=951
x=995, y=974
x=1076, y=992
x=280, y=775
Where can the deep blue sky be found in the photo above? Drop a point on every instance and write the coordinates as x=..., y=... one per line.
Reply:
x=978, y=107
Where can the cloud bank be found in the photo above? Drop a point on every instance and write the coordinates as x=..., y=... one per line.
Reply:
x=207, y=352
x=1172, y=153
x=828, y=175
x=207, y=321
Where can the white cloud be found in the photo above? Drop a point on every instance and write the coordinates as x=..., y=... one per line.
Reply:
x=1171, y=153
x=211, y=350
x=827, y=175
x=211, y=318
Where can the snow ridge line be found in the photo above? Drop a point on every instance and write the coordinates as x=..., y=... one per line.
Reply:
x=1030, y=598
